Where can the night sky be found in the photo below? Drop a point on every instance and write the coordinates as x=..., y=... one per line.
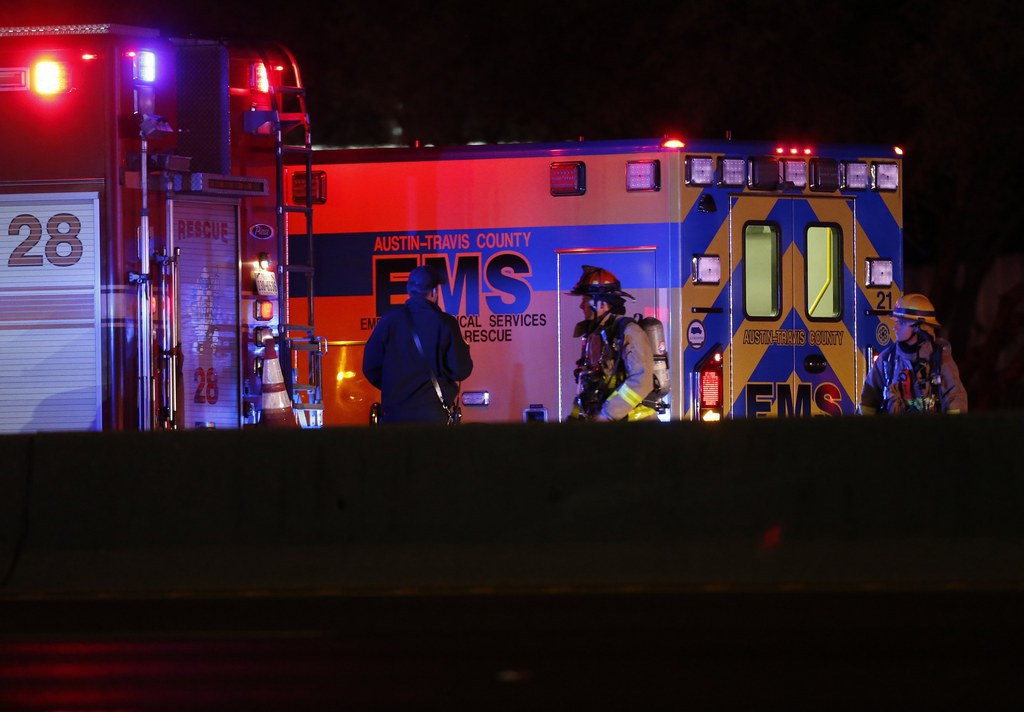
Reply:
x=457, y=71
x=939, y=78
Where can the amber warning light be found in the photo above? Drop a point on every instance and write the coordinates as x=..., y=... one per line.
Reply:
x=262, y=310
x=50, y=78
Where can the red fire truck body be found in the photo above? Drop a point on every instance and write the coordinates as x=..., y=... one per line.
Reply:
x=127, y=302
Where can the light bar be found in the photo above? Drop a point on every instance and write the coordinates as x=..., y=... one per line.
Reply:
x=855, y=175
x=50, y=77
x=884, y=176
x=94, y=29
x=707, y=269
x=643, y=176
x=879, y=272
x=700, y=170
x=732, y=171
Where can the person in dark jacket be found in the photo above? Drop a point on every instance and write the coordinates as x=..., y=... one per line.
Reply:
x=392, y=362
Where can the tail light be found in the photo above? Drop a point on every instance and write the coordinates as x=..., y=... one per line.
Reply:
x=709, y=393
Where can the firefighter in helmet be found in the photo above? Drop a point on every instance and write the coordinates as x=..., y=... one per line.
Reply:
x=916, y=373
x=614, y=374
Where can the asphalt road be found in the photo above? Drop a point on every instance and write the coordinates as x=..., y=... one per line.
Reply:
x=854, y=649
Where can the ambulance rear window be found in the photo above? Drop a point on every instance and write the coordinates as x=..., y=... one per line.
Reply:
x=761, y=274
x=824, y=265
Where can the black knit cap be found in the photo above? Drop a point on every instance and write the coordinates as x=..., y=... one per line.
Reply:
x=424, y=278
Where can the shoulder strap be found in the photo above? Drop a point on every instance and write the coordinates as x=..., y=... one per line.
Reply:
x=620, y=342
x=936, y=356
x=419, y=347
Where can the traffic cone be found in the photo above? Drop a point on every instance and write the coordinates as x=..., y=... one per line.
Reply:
x=276, y=406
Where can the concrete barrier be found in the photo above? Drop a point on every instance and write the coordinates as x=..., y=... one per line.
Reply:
x=851, y=502
x=15, y=467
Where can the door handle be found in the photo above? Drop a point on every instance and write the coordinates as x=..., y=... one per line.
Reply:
x=815, y=363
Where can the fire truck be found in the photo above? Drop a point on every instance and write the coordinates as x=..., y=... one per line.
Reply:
x=769, y=264
x=143, y=243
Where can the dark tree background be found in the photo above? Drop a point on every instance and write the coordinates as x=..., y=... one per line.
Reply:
x=940, y=78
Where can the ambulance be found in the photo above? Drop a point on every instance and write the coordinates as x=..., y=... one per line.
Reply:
x=141, y=229
x=770, y=265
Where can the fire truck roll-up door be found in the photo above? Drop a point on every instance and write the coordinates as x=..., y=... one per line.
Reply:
x=206, y=233
x=794, y=297
x=50, y=347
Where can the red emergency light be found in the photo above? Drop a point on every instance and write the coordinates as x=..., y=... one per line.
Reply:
x=260, y=80
x=50, y=77
x=259, y=76
x=569, y=178
x=794, y=150
x=710, y=392
x=263, y=310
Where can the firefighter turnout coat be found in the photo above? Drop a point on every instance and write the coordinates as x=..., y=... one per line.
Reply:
x=628, y=365
x=903, y=379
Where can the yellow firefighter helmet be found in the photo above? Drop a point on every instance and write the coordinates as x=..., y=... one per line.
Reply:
x=916, y=307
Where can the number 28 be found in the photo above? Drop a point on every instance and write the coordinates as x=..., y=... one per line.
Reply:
x=207, y=390
x=22, y=255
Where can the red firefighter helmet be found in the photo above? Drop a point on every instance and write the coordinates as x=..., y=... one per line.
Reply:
x=915, y=307
x=598, y=282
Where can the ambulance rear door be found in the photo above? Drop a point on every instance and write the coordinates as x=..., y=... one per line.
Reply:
x=793, y=351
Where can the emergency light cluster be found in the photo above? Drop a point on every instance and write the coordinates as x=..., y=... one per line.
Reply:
x=824, y=175
x=49, y=76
